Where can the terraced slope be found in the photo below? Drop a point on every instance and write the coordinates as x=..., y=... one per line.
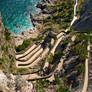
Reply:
x=35, y=54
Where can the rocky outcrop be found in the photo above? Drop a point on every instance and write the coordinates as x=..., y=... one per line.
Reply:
x=44, y=12
x=41, y=6
x=11, y=83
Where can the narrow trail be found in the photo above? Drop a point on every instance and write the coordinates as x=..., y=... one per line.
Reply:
x=33, y=57
x=58, y=69
x=85, y=86
x=51, y=76
x=18, y=56
x=75, y=13
x=90, y=71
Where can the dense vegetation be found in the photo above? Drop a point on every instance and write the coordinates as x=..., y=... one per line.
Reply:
x=45, y=85
x=61, y=16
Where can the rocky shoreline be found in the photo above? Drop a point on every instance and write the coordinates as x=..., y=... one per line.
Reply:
x=37, y=21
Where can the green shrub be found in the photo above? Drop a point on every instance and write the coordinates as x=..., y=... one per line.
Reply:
x=81, y=68
x=55, y=37
x=62, y=89
x=65, y=42
x=22, y=70
x=25, y=44
x=7, y=34
x=4, y=59
x=50, y=58
x=91, y=39
x=58, y=55
x=57, y=80
x=4, y=48
x=38, y=39
x=81, y=49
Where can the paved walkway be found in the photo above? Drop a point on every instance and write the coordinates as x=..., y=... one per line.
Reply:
x=86, y=72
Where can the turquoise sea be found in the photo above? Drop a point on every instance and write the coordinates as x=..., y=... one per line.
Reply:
x=16, y=14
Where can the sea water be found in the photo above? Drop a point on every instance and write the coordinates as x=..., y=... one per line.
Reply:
x=16, y=14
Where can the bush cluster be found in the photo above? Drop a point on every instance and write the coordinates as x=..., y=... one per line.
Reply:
x=25, y=44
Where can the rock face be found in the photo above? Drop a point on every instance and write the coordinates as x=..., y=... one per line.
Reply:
x=41, y=6
x=1, y=36
x=85, y=21
x=11, y=83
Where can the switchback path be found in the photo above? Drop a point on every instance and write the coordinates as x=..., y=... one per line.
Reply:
x=36, y=54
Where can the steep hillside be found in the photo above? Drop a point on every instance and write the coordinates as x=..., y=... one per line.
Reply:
x=85, y=21
x=7, y=52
